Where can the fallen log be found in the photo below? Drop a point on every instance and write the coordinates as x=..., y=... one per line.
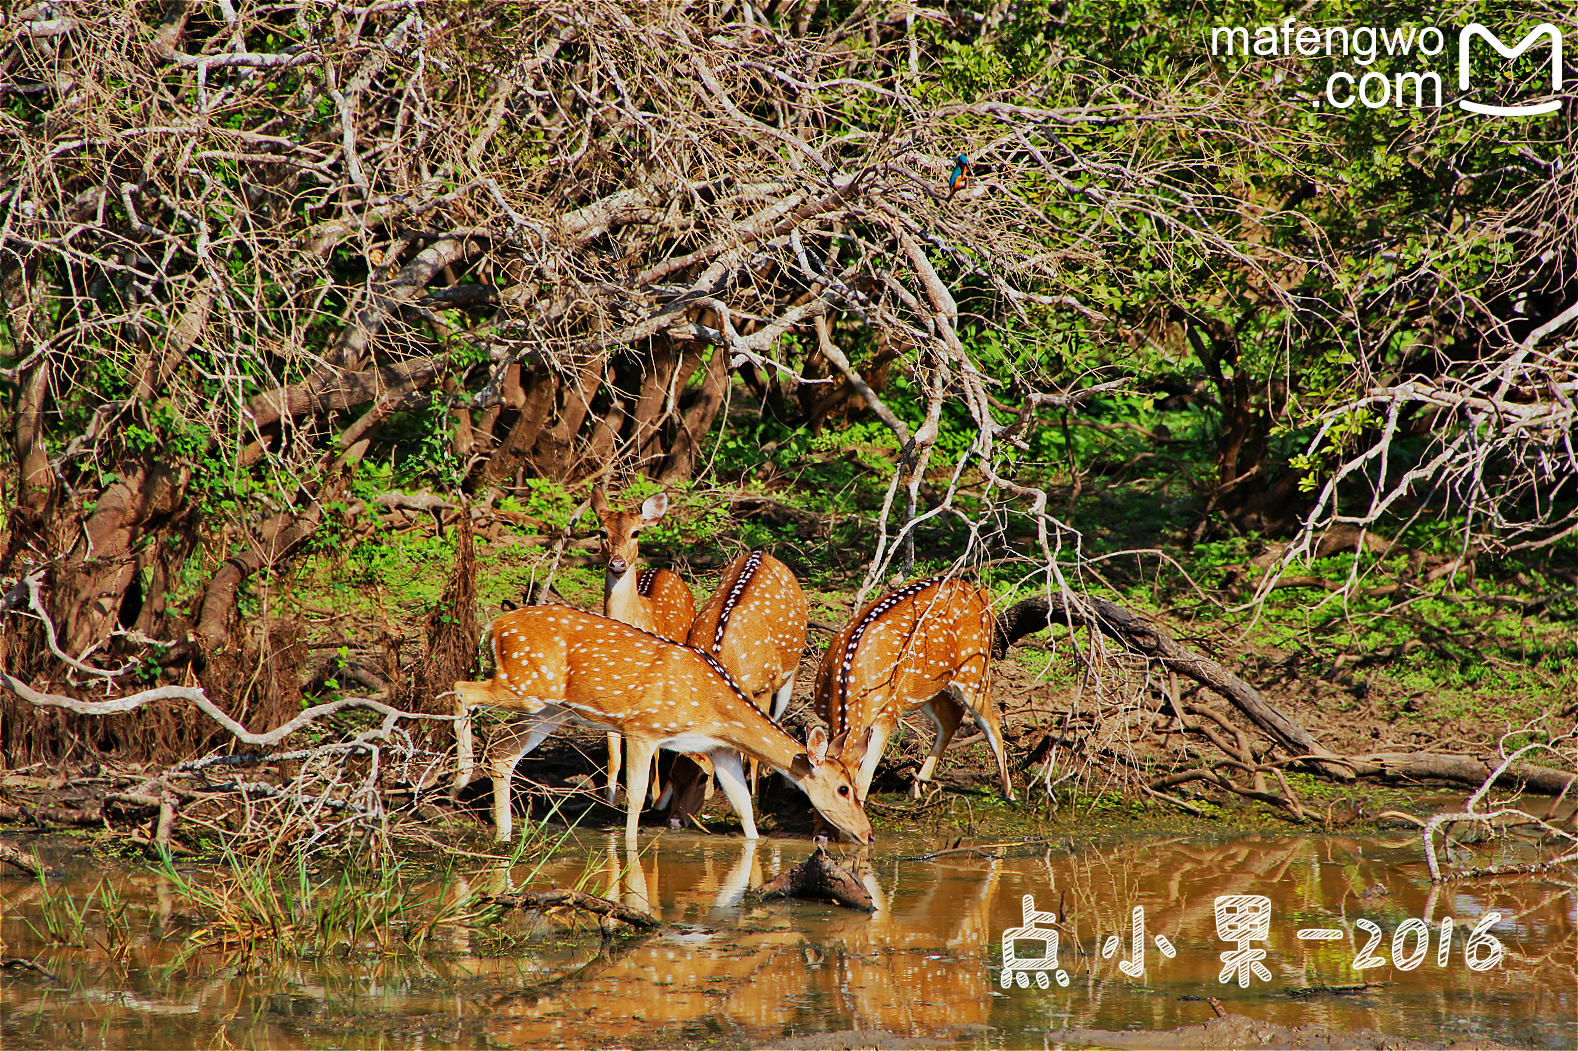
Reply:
x=1461, y=769
x=44, y=816
x=575, y=899
x=1143, y=637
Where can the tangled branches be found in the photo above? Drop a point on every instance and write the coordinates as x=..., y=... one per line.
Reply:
x=245, y=245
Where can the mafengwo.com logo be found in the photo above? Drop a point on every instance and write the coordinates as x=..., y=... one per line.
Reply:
x=1420, y=63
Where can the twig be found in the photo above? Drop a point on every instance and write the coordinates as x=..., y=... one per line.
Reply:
x=18, y=858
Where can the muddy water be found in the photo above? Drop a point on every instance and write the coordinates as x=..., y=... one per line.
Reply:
x=926, y=964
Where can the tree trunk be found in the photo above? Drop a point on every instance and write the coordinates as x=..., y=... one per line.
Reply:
x=697, y=422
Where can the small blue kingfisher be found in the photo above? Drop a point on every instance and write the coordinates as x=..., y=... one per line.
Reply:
x=961, y=165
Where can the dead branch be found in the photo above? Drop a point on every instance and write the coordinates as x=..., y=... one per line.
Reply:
x=196, y=697
x=1153, y=642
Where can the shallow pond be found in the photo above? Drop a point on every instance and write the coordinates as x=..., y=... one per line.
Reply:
x=926, y=964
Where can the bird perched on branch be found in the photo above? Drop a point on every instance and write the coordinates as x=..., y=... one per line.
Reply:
x=961, y=167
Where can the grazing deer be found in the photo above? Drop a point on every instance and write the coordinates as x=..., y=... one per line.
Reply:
x=926, y=646
x=654, y=600
x=558, y=664
x=753, y=625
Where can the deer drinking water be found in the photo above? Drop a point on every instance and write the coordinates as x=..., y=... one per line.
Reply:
x=926, y=646
x=558, y=664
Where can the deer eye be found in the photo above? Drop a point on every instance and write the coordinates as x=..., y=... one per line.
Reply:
x=634, y=533
x=843, y=790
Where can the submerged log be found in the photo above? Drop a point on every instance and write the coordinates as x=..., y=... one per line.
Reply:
x=21, y=859
x=575, y=899
x=818, y=878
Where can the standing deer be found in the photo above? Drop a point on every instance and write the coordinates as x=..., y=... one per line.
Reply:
x=654, y=600
x=753, y=625
x=559, y=664
x=926, y=646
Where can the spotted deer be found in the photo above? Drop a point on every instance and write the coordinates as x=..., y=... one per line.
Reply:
x=557, y=664
x=926, y=646
x=754, y=625
x=654, y=600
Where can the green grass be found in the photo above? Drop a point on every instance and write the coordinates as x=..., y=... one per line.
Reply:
x=270, y=907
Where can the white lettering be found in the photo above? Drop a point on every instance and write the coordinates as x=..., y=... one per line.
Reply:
x=1366, y=54
x=1333, y=98
x=1395, y=41
x=1266, y=40
x=1228, y=31
x=1373, y=77
x=1313, y=36
x=1440, y=40
x=1419, y=87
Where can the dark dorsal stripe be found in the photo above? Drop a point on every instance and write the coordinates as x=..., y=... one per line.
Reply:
x=871, y=616
x=728, y=679
x=644, y=582
x=733, y=598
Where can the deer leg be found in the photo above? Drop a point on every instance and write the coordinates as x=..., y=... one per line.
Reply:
x=465, y=757
x=522, y=738
x=638, y=768
x=946, y=714
x=985, y=712
x=726, y=762
x=881, y=730
x=781, y=698
x=613, y=764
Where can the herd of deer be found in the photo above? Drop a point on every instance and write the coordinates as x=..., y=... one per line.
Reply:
x=660, y=674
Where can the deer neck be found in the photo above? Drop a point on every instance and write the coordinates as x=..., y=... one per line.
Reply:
x=623, y=601
x=759, y=737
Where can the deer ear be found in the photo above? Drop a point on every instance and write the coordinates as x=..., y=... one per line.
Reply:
x=599, y=501
x=816, y=745
x=853, y=756
x=654, y=508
